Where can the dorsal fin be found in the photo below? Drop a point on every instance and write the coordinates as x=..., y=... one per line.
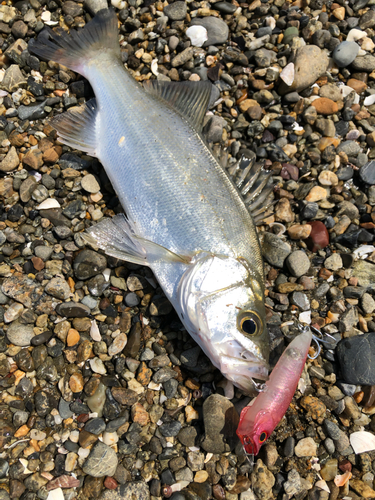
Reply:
x=190, y=99
x=254, y=184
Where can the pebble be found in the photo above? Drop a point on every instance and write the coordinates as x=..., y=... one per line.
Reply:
x=306, y=447
x=367, y=173
x=217, y=412
x=176, y=11
x=345, y=53
x=11, y=161
x=357, y=369
x=90, y=184
x=101, y=462
x=275, y=250
x=298, y=263
x=217, y=29
x=310, y=63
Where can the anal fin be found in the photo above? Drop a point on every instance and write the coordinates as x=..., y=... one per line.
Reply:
x=77, y=127
x=117, y=238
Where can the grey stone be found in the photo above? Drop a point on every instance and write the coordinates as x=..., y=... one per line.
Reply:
x=351, y=148
x=130, y=491
x=19, y=334
x=275, y=250
x=101, y=462
x=176, y=11
x=364, y=63
x=298, y=263
x=356, y=356
x=88, y=264
x=13, y=78
x=220, y=423
x=345, y=53
x=365, y=272
x=58, y=288
x=367, y=173
x=217, y=29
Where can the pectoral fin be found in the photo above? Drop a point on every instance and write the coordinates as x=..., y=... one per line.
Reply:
x=117, y=238
x=77, y=127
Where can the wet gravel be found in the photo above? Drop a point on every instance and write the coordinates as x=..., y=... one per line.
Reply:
x=103, y=394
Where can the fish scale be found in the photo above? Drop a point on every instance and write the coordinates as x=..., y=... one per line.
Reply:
x=185, y=218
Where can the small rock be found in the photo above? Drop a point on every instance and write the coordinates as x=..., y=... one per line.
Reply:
x=356, y=356
x=11, y=161
x=298, y=263
x=101, y=462
x=345, y=53
x=275, y=250
x=90, y=184
x=306, y=447
x=319, y=237
x=220, y=418
x=217, y=29
x=176, y=11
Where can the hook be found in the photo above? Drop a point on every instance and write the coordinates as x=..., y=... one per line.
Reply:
x=319, y=338
x=259, y=386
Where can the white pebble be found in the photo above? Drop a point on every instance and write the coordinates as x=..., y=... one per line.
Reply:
x=37, y=435
x=305, y=317
x=74, y=436
x=83, y=452
x=97, y=366
x=56, y=494
x=154, y=67
x=287, y=74
x=197, y=35
x=355, y=35
x=369, y=100
x=110, y=438
x=119, y=4
x=48, y=203
x=94, y=332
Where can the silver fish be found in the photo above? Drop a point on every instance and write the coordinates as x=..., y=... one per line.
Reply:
x=185, y=217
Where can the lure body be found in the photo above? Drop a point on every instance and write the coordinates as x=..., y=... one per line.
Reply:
x=258, y=421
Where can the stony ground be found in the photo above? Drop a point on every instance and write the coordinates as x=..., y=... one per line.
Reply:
x=103, y=394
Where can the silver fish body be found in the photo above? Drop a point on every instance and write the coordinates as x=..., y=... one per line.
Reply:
x=177, y=197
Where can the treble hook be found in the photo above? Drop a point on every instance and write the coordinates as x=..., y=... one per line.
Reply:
x=319, y=339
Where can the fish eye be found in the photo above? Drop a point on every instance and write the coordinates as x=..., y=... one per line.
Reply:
x=250, y=324
x=263, y=437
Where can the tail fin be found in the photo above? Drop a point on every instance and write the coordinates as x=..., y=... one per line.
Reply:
x=76, y=49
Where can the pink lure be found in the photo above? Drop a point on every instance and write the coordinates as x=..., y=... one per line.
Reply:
x=258, y=421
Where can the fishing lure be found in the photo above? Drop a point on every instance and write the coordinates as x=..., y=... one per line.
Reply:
x=258, y=421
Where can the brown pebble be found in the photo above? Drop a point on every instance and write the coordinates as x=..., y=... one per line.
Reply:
x=319, y=237
x=139, y=414
x=325, y=106
x=73, y=337
x=33, y=159
x=110, y=483
x=357, y=85
x=76, y=382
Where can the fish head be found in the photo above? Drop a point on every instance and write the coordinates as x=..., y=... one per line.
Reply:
x=254, y=430
x=222, y=304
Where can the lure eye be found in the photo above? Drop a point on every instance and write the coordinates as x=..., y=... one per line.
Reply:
x=263, y=437
x=249, y=324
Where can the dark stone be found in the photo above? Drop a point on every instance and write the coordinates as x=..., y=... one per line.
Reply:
x=367, y=173
x=72, y=310
x=356, y=356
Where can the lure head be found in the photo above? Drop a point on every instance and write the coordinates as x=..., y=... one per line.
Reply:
x=254, y=431
x=221, y=303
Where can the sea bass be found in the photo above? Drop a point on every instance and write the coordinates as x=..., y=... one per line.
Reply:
x=185, y=217
x=258, y=421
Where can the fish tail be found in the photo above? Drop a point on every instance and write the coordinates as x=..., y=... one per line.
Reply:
x=77, y=49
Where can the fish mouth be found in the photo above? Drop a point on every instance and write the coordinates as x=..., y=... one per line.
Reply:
x=245, y=374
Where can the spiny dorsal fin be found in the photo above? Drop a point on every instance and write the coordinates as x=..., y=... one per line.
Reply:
x=77, y=127
x=190, y=99
x=254, y=184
